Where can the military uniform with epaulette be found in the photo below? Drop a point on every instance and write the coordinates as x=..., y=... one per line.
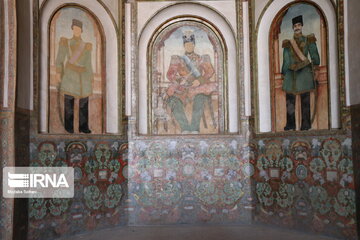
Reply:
x=299, y=75
x=73, y=63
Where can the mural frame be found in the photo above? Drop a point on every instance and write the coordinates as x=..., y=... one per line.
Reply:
x=278, y=19
x=224, y=66
x=146, y=29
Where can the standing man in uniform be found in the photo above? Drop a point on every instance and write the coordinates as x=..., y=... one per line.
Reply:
x=299, y=73
x=190, y=83
x=74, y=68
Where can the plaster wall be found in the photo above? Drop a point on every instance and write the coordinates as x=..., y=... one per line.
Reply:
x=8, y=39
x=25, y=70
x=259, y=6
x=353, y=54
x=113, y=6
x=148, y=9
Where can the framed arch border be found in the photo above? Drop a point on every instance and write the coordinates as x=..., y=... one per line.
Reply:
x=113, y=92
x=182, y=10
x=262, y=73
x=219, y=65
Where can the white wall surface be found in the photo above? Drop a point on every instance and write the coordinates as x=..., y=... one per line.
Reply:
x=146, y=10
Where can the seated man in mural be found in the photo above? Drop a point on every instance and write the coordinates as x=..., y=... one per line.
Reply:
x=190, y=83
x=299, y=74
x=76, y=76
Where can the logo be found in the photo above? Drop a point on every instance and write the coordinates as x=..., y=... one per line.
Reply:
x=38, y=182
x=35, y=180
x=18, y=180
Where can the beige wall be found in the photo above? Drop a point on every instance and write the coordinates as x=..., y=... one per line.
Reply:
x=24, y=55
x=354, y=52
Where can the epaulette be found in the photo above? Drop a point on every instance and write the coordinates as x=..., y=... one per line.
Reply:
x=63, y=41
x=286, y=43
x=88, y=46
x=175, y=59
x=311, y=38
x=205, y=58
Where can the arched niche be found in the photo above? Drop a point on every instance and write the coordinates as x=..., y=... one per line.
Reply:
x=110, y=43
x=188, y=83
x=314, y=24
x=202, y=13
x=263, y=62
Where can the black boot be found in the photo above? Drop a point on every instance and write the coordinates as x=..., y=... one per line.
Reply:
x=69, y=113
x=290, y=112
x=84, y=115
x=305, y=111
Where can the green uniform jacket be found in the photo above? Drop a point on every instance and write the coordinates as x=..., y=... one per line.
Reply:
x=299, y=75
x=76, y=77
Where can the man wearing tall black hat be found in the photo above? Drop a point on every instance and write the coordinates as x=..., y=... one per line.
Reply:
x=190, y=76
x=74, y=68
x=299, y=73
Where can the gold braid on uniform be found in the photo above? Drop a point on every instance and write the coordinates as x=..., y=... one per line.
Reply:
x=286, y=43
x=311, y=38
x=63, y=41
x=88, y=46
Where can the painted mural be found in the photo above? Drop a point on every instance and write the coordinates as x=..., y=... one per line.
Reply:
x=190, y=181
x=307, y=184
x=299, y=69
x=187, y=80
x=100, y=169
x=76, y=73
x=296, y=182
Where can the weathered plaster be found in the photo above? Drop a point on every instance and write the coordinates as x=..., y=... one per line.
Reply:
x=353, y=55
x=7, y=109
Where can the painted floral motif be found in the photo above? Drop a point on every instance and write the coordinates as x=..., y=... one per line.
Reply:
x=320, y=200
x=318, y=184
x=345, y=202
x=207, y=192
x=99, y=191
x=331, y=153
x=201, y=178
x=47, y=154
x=37, y=208
x=92, y=197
